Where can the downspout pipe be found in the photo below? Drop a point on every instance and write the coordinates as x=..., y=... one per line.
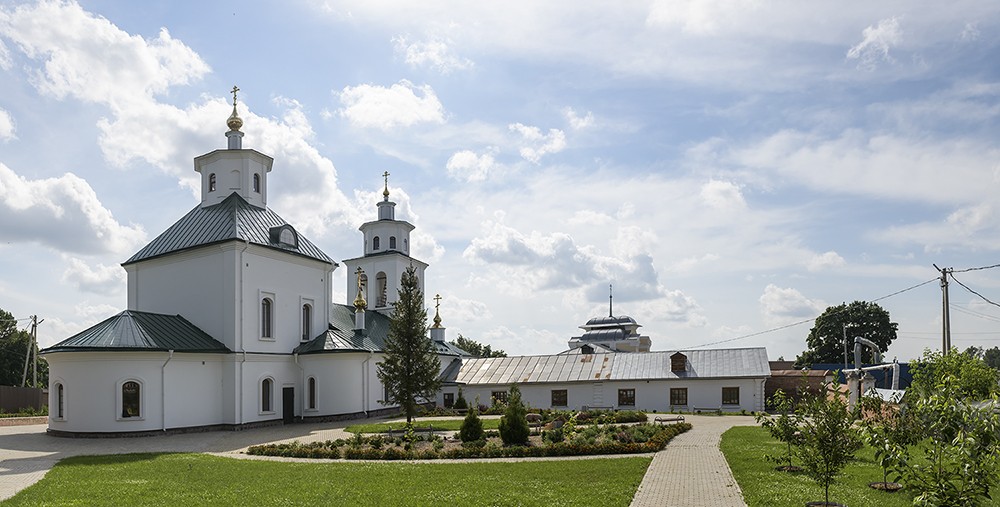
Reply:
x=302, y=382
x=163, y=390
x=238, y=388
x=365, y=384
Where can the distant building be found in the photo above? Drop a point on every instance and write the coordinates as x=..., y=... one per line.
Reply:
x=714, y=379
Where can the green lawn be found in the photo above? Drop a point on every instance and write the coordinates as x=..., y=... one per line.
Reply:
x=197, y=479
x=438, y=424
x=762, y=485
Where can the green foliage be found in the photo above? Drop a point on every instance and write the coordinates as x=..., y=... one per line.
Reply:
x=472, y=427
x=410, y=367
x=959, y=461
x=992, y=357
x=460, y=403
x=514, y=428
x=477, y=349
x=784, y=427
x=828, y=438
x=889, y=430
x=863, y=319
x=970, y=375
x=14, y=347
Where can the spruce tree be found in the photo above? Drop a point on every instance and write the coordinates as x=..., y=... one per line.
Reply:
x=409, y=371
x=514, y=423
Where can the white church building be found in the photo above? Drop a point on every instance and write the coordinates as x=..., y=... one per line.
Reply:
x=230, y=320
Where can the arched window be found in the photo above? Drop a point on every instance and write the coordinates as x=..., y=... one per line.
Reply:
x=256, y=183
x=131, y=397
x=375, y=245
x=406, y=245
x=306, y=320
x=266, y=317
x=266, y=395
x=312, y=393
x=392, y=242
x=382, y=289
x=211, y=182
x=60, y=411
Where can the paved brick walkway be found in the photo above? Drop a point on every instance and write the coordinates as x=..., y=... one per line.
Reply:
x=691, y=471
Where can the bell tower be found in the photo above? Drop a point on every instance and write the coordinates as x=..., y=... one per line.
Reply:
x=386, y=256
x=234, y=169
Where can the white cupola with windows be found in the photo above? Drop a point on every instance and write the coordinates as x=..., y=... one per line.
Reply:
x=234, y=169
x=386, y=255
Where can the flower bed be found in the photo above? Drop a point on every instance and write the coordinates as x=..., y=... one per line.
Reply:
x=592, y=440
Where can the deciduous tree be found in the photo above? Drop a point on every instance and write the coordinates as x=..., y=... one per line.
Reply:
x=477, y=349
x=829, y=439
x=862, y=319
x=409, y=371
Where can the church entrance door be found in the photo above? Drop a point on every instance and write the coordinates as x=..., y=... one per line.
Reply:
x=288, y=405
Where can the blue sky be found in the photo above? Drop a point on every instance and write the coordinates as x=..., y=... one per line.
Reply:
x=731, y=167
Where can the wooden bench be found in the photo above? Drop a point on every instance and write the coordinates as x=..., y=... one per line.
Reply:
x=663, y=419
x=534, y=421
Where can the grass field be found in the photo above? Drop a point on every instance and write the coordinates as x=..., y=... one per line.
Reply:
x=197, y=479
x=438, y=424
x=762, y=485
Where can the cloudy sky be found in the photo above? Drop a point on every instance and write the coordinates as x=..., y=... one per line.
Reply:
x=732, y=167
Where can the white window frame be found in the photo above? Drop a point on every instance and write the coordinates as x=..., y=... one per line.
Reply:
x=260, y=395
x=312, y=397
x=120, y=399
x=56, y=416
x=261, y=295
x=303, y=301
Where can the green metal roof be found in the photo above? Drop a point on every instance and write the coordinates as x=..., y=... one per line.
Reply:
x=232, y=219
x=341, y=336
x=132, y=330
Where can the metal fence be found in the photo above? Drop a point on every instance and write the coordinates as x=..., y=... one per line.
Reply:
x=14, y=399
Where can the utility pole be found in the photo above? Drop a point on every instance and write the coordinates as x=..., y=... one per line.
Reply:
x=32, y=355
x=945, y=311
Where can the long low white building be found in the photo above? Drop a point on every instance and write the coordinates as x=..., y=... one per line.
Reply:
x=724, y=379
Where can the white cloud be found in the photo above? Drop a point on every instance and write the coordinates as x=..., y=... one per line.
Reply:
x=63, y=213
x=6, y=126
x=588, y=217
x=89, y=58
x=875, y=44
x=466, y=165
x=434, y=53
x=785, y=305
x=97, y=278
x=970, y=33
x=576, y=121
x=828, y=260
x=5, y=61
x=535, y=144
x=857, y=162
x=400, y=105
x=723, y=195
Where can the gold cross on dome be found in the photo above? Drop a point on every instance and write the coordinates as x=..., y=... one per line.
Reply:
x=235, y=89
x=386, y=176
x=437, y=301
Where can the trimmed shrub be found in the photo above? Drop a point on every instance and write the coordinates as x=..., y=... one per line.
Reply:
x=514, y=428
x=460, y=403
x=472, y=427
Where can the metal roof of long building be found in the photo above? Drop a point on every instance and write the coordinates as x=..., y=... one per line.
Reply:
x=232, y=219
x=132, y=330
x=711, y=363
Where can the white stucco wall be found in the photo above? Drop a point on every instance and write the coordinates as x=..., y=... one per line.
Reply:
x=219, y=289
x=92, y=390
x=346, y=383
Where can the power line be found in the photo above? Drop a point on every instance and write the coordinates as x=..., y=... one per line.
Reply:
x=975, y=314
x=984, y=298
x=799, y=323
x=975, y=269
